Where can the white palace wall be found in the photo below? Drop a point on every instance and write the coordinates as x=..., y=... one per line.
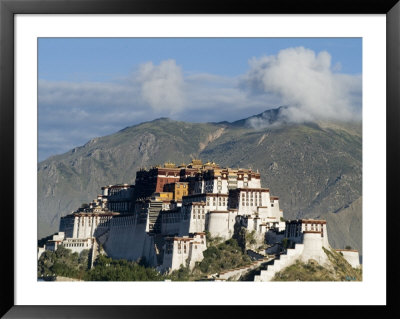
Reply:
x=129, y=240
x=221, y=223
x=313, y=243
x=90, y=225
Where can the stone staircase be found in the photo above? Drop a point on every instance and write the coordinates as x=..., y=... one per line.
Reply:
x=236, y=273
x=154, y=217
x=255, y=255
x=284, y=261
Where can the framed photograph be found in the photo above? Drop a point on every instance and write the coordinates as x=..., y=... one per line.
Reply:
x=183, y=119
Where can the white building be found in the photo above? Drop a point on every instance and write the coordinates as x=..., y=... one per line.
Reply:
x=169, y=233
x=118, y=197
x=309, y=237
x=86, y=225
x=184, y=251
x=221, y=180
x=295, y=230
x=78, y=244
x=55, y=241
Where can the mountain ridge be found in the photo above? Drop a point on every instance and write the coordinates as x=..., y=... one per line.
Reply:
x=315, y=168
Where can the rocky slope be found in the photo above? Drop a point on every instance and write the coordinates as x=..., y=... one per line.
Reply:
x=314, y=168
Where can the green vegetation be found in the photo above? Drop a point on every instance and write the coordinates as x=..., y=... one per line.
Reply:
x=340, y=270
x=64, y=263
x=107, y=269
x=245, y=239
x=219, y=256
x=182, y=274
x=250, y=238
x=226, y=255
x=310, y=271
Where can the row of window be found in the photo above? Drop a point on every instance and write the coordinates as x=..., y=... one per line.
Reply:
x=77, y=245
x=296, y=230
x=251, y=195
x=198, y=216
x=222, y=201
x=97, y=220
x=118, y=206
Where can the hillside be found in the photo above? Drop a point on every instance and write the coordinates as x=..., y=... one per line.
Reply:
x=314, y=168
x=338, y=269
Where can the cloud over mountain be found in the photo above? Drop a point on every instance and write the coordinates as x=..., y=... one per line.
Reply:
x=297, y=77
x=306, y=82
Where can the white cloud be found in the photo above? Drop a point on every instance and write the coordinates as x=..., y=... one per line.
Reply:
x=306, y=82
x=162, y=86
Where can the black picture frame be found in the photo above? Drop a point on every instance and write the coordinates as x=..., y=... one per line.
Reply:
x=8, y=8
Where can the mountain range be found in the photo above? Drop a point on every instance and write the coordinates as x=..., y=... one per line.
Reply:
x=314, y=168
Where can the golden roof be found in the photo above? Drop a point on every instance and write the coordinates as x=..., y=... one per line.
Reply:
x=169, y=165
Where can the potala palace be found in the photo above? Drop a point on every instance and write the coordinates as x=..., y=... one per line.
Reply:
x=163, y=218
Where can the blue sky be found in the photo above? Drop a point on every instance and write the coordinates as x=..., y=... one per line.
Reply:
x=91, y=87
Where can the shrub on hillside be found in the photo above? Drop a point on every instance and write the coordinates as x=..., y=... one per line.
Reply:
x=108, y=269
x=63, y=262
